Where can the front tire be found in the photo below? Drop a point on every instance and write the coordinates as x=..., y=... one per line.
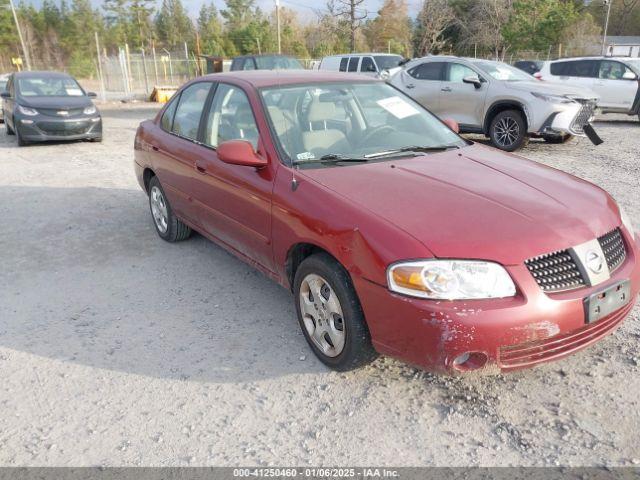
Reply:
x=9, y=129
x=21, y=142
x=330, y=314
x=167, y=225
x=508, y=131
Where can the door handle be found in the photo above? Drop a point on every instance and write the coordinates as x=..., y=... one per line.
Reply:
x=201, y=168
x=411, y=85
x=154, y=148
x=445, y=89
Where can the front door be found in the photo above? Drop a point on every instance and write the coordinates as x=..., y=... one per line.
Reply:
x=423, y=83
x=462, y=102
x=616, y=85
x=234, y=201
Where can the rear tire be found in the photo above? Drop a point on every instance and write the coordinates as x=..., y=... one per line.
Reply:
x=508, y=131
x=167, y=225
x=330, y=314
x=557, y=139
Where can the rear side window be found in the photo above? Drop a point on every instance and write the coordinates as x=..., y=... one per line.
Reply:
x=580, y=68
x=167, y=117
x=187, y=117
x=367, y=65
x=427, y=71
x=343, y=64
x=353, y=64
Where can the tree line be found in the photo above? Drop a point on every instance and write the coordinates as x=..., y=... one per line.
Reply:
x=60, y=34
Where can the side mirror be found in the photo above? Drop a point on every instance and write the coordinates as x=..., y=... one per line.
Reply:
x=473, y=80
x=92, y=94
x=5, y=94
x=240, y=152
x=452, y=124
x=629, y=75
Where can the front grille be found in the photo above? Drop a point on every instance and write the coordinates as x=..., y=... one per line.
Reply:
x=583, y=116
x=54, y=112
x=64, y=129
x=530, y=353
x=614, y=249
x=555, y=271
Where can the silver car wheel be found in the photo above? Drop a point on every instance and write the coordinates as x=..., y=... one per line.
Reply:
x=159, y=209
x=507, y=132
x=322, y=315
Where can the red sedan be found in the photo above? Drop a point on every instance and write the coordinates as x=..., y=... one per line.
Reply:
x=395, y=235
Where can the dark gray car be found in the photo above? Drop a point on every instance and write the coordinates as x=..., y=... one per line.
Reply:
x=42, y=106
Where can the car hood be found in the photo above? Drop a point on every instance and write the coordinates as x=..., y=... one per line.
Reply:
x=56, y=102
x=551, y=88
x=477, y=203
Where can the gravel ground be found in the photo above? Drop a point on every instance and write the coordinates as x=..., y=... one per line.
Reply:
x=117, y=348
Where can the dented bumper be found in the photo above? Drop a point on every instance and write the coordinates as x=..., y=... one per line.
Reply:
x=509, y=334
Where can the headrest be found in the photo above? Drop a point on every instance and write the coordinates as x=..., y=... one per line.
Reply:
x=320, y=111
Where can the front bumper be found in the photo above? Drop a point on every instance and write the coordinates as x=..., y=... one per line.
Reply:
x=562, y=119
x=41, y=129
x=511, y=333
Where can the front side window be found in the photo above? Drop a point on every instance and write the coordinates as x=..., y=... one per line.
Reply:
x=343, y=64
x=230, y=118
x=49, y=87
x=388, y=61
x=457, y=72
x=363, y=120
x=278, y=62
x=367, y=65
x=610, y=70
x=428, y=71
x=249, y=64
x=186, y=120
x=353, y=64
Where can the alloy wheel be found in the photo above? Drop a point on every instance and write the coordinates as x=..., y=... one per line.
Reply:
x=322, y=315
x=159, y=209
x=506, y=132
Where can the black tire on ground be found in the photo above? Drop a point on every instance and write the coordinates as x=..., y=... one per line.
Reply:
x=97, y=139
x=9, y=129
x=358, y=350
x=508, y=131
x=556, y=139
x=21, y=141
x=176, y=230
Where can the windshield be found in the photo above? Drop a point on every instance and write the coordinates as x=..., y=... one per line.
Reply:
x=351, y=120
x=385, y=62
x=502, y=71
x=277, y=63
x=49, y=87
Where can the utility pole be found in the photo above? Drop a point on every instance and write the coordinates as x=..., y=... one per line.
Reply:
x=606, y=25
x=102, y=90
x=27, y=60
x=278, y=25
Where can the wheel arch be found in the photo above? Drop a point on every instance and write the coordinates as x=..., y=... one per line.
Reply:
x=147, y=175
x=501, y=106
x=298, y=252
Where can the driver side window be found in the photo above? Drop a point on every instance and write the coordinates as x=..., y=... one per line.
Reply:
x=457, y=72
x=230, y=118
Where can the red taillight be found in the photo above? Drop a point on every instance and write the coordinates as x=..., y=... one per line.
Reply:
x=538, y=75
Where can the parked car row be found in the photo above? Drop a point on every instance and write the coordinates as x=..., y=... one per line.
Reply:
x=395, y=235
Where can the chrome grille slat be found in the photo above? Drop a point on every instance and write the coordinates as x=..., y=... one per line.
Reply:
x=614, y=249
x=583, y=116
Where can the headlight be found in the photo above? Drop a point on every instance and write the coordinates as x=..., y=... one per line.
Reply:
x=27, y=111
x=450, y=279
x=626, y=221
x=552, y=98
x=89, y=110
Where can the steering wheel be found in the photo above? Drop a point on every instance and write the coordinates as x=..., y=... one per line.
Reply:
x=375, y=131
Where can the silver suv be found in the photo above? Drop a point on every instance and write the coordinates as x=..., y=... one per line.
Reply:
x=496, y=99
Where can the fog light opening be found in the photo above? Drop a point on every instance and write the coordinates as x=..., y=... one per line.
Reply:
x=470, y=361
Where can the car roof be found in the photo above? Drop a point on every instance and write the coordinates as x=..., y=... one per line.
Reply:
x=601, y=57
x=42, y=73
x=365, y=54
x=271, y=78
x=262, y=55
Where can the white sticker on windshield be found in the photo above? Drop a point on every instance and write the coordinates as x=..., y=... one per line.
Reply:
x=306, y=156
x=74, y=92
x=398, y=107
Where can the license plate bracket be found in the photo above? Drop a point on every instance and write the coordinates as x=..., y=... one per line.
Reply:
x=607, y=301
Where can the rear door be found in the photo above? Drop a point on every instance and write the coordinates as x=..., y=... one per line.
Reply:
x=461, y=101
x=424, y=83
x=173, y=145
x=234, y=201
x=616, y=85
